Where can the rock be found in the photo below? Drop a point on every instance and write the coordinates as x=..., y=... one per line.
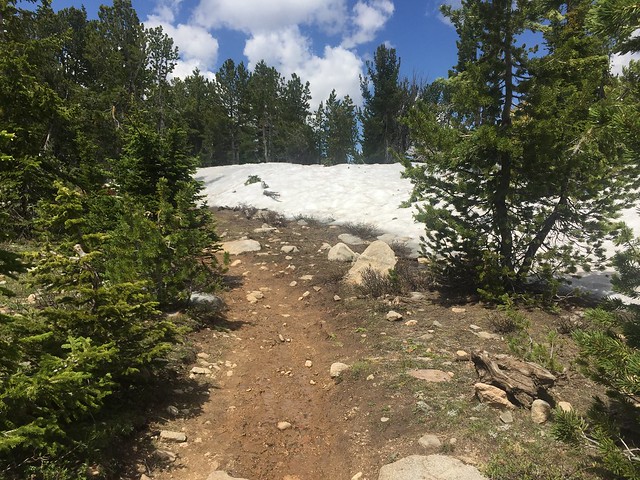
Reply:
x=489, y=336
x=173, y=410
x=337, y=368
x=203, y=355
x=237, y=247
x=337, y=298
x=351, y=239
x=200, y=370
x=430, y=375
x=393, y=316
x=306, y=277
x=253, y=297
x=430, y=441
x=506, y=416
x=458, y=310
x=325, y=246
x=221, y=475
x=378, y=257
x=265, y=228
x=144, y=477
x=492, y=396
x=165, y=456
x=308, y=364
x=235, y=263
x=430, y=467
x=357, y=476
x=206, y=302
x=474, y=327
x=341, y=253
x=462, y=356
x=289, y=249
x=540, y=411
x=411, y=323
x=370, y=377
x=565, y=407
x=436, y=324
x=384, y=419
x=284, y=426
x=171, y=436
x=293, y=283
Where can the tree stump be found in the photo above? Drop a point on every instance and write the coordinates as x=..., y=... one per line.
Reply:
x=523, y=381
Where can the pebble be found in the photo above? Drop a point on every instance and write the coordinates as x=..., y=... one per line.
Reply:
x=317, y=289
x=173, y=436
x=430, y=441
x=293, y=284
x=384, y=419
x=436, y=324
x=458, y=310
x=337, y=298
x=283, y=426
x=411, y=323
x=308, y=364
x=201, y=370
x=337, y=368
x=462, y=356
x=306, y=277
x=312, y=382
x=357, y=476
x=506, y=416
x=393, y=316
x=370, y=377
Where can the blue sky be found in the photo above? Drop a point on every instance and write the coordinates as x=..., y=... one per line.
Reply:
x=326, y=42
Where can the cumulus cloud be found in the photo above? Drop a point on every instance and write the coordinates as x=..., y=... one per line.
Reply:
x=197, y=47
x=252, y=16
x=290, y=52
x=368, y=19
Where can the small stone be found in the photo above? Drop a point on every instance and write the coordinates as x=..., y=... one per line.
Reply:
x=173, y=410
x=337, y=368
x=474, y=327
x=203, y=355
x=317, y=289
x=462, y=356
x=171, y=436
x=370, y=377
x=423, y=260
x=284, y=426
x=293, y=284
x=357, y=476
x=489, y=336
x=200, y=370
x=430, y=375
x=165, y=456
x=565, y=407
x=540, y=411
x=393, y=316
x=306, y=277
x=308, y=364
x=506, y=417
x=312, y=382
x=306, y=294
x=289, y=249
x=336, y=298
x=253, y=297
x=411, y=323
x=458, y=310
x=436, y=324
x=384, y=419
x=430, y=441
x=281, y=338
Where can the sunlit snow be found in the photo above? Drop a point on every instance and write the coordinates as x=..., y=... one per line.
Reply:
x=339, y=194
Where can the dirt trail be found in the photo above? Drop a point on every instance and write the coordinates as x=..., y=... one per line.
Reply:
x=262, y=376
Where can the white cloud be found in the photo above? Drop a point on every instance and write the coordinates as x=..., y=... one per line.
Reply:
x=196, y=45
x=290, y=52
x=184, y=68
x=252, y=16
x=368, y=19
x=620, y=61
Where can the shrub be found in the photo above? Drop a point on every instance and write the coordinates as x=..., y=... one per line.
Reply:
x=362, y=230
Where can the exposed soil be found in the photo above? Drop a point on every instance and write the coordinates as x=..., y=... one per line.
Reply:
x=374, y=413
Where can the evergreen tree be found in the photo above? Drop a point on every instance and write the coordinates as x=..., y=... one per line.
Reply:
x=525, y=171
x=341, y=130
x=265, y=89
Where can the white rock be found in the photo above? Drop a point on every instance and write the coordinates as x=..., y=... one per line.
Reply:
x=337, y=298
x=171, y=436
x=237, y=247
x=284, y=426
x=462, y=356
x=357, y=476
x=337, y=368
x=290, y=249
x=378, y=257
x=200, y=370
x=540, y=411
x=351, y=239
x=393, y=316
x=565, y=407
x=341, y=253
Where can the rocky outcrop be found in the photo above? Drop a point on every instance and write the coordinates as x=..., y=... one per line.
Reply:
x=378, y=257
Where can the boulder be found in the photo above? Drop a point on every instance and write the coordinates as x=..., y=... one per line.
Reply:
x=337, y=369
x=237, y=247
x=378, y=257
x=341, y=253
x=206, y=302
x=540, y=411
x=430, y=467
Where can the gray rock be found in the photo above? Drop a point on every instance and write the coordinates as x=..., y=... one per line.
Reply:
x=171, y=436
x=265, y=228
x=540, y=411
x=351, y=239
x=206, y=302
x=165, y=456
x=341, y=253
x=378, y=257
x=430, y=467
x=337, y=368
x=393, y=316
x=489, y=336
x=506, y=417
x=200, y=370
x=430, y=441
x=222, y=475
x=237, y=247
x=289, y=249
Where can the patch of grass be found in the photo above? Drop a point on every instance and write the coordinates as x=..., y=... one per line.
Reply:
x=400, y=249
x=362, y=229
x=544, y=354
x=272, y=218
x=247, y=210
x=251, y=179
x=376, y=284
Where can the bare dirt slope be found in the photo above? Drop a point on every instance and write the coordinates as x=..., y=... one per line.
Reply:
x=269, y=362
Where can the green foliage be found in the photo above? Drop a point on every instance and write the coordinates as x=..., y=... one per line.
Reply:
x=520, y=190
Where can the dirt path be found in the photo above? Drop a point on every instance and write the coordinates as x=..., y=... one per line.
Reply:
x=271, y=366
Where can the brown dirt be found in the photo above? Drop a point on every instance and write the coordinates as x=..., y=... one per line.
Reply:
x=230, y=417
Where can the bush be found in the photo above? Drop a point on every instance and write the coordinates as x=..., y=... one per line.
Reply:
x=362, y=229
